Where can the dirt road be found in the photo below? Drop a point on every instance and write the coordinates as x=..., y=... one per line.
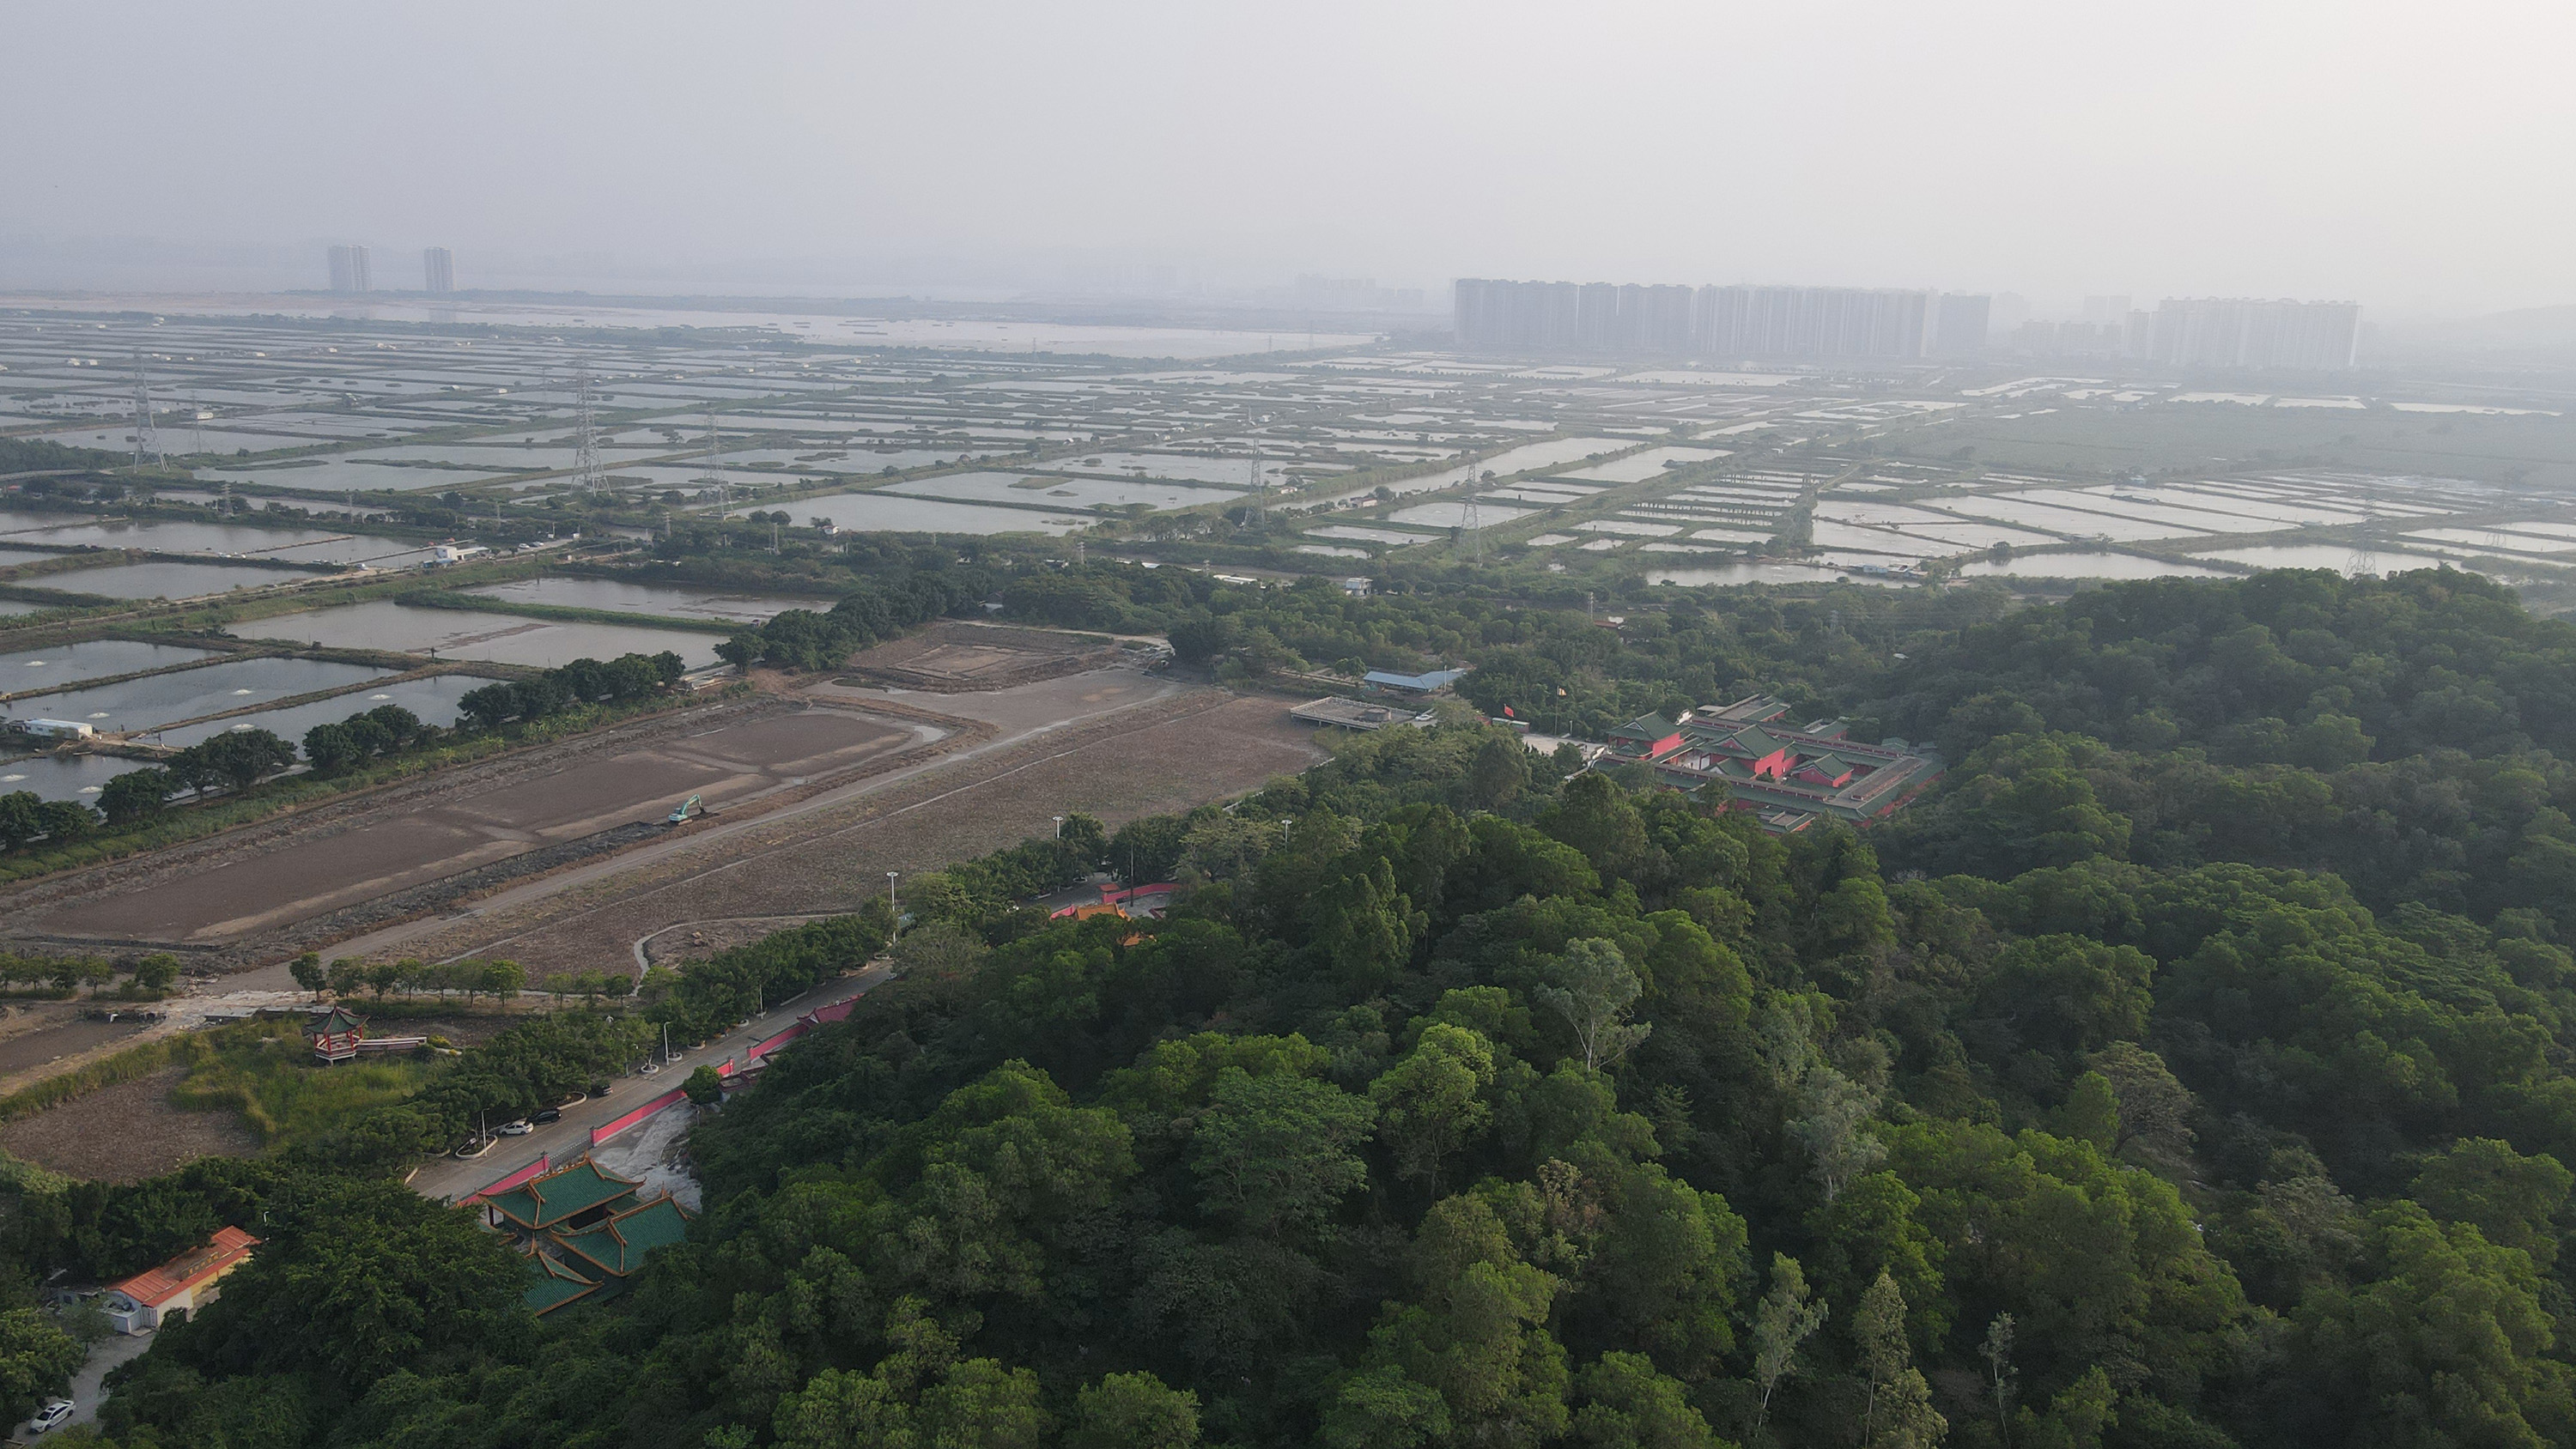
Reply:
x=1168, y=752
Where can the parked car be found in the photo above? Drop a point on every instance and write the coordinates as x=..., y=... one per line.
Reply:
x=520, y=1128
x=51, y=1416
x=547, y=1114
x=599, y=1089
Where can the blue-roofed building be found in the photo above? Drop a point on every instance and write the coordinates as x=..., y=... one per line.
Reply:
x=1431, y=683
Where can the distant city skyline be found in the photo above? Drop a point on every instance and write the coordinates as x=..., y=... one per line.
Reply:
x=438, y=270
x=2374, y=157
x=1746, y=321
x=349, y=269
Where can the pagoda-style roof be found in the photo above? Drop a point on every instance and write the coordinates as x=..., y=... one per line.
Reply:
x=1645, y=727
x=1750, y=742
x=550, y=1198
x=337, y=1020
x=551, y=1285
x=617, y=1246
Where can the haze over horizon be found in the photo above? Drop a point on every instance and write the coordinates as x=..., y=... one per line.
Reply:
x=2348, y=151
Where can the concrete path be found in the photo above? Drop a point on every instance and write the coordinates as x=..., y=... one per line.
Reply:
x=86, y=1385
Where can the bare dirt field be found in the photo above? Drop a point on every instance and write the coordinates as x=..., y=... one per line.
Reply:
x=59, y=1035
x=126, y=1132
x=253, y=881
x=952, y=658
x=1168, y=753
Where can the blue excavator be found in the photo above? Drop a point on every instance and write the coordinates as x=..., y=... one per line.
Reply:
x=681, y=815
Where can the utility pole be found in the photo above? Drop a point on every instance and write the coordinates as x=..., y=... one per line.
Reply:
x=586, y=451
x=147, y=439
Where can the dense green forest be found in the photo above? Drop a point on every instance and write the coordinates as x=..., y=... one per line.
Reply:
x=2191, y=1068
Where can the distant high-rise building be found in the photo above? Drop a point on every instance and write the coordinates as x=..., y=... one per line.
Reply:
x=1959, y=324
x=2113, y=309
x=2248, y=332
x=438, y=270
x=1672, y=321
x=348, y=269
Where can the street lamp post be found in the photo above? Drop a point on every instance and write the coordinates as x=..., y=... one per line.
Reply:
x=893, y=908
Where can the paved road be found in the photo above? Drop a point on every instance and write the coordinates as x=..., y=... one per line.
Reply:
x=449, y=1178
x=86, y=1388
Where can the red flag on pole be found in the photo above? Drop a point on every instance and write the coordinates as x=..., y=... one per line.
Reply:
x=1507, y=713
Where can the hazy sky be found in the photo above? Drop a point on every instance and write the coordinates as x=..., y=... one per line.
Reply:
x=2416, y=156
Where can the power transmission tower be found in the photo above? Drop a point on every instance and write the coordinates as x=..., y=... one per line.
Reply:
x=147, y=438
x=196, y=426
x=715, y=444
x=585, y=458
x=1472, y=524
x=2364, y=563
x=1260, y=492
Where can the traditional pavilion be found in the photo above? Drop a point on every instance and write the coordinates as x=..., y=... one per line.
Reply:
x=336, y=1034
x=340, y=1035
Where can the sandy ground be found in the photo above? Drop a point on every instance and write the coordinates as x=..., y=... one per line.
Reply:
x=126, y=1132
x=1115, y=743
x=475, y=822
x=60, y=1035
x=1179, y=753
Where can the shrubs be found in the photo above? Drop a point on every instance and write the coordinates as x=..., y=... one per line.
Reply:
x=732, y=985
x=805, y=640
x=233, y=760
x=583, y=681
x=25, y=818
x=385, y=730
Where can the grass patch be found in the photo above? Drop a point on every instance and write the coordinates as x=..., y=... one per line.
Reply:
x=265, y=1073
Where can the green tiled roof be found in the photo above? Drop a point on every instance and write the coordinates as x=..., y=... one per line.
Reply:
x=1647, y=726
x=551, y=1285
x=337, y=1019
x=542, y=1202
x=619, y=1245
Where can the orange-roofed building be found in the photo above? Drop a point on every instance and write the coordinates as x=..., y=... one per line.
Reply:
x=182, y=1285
